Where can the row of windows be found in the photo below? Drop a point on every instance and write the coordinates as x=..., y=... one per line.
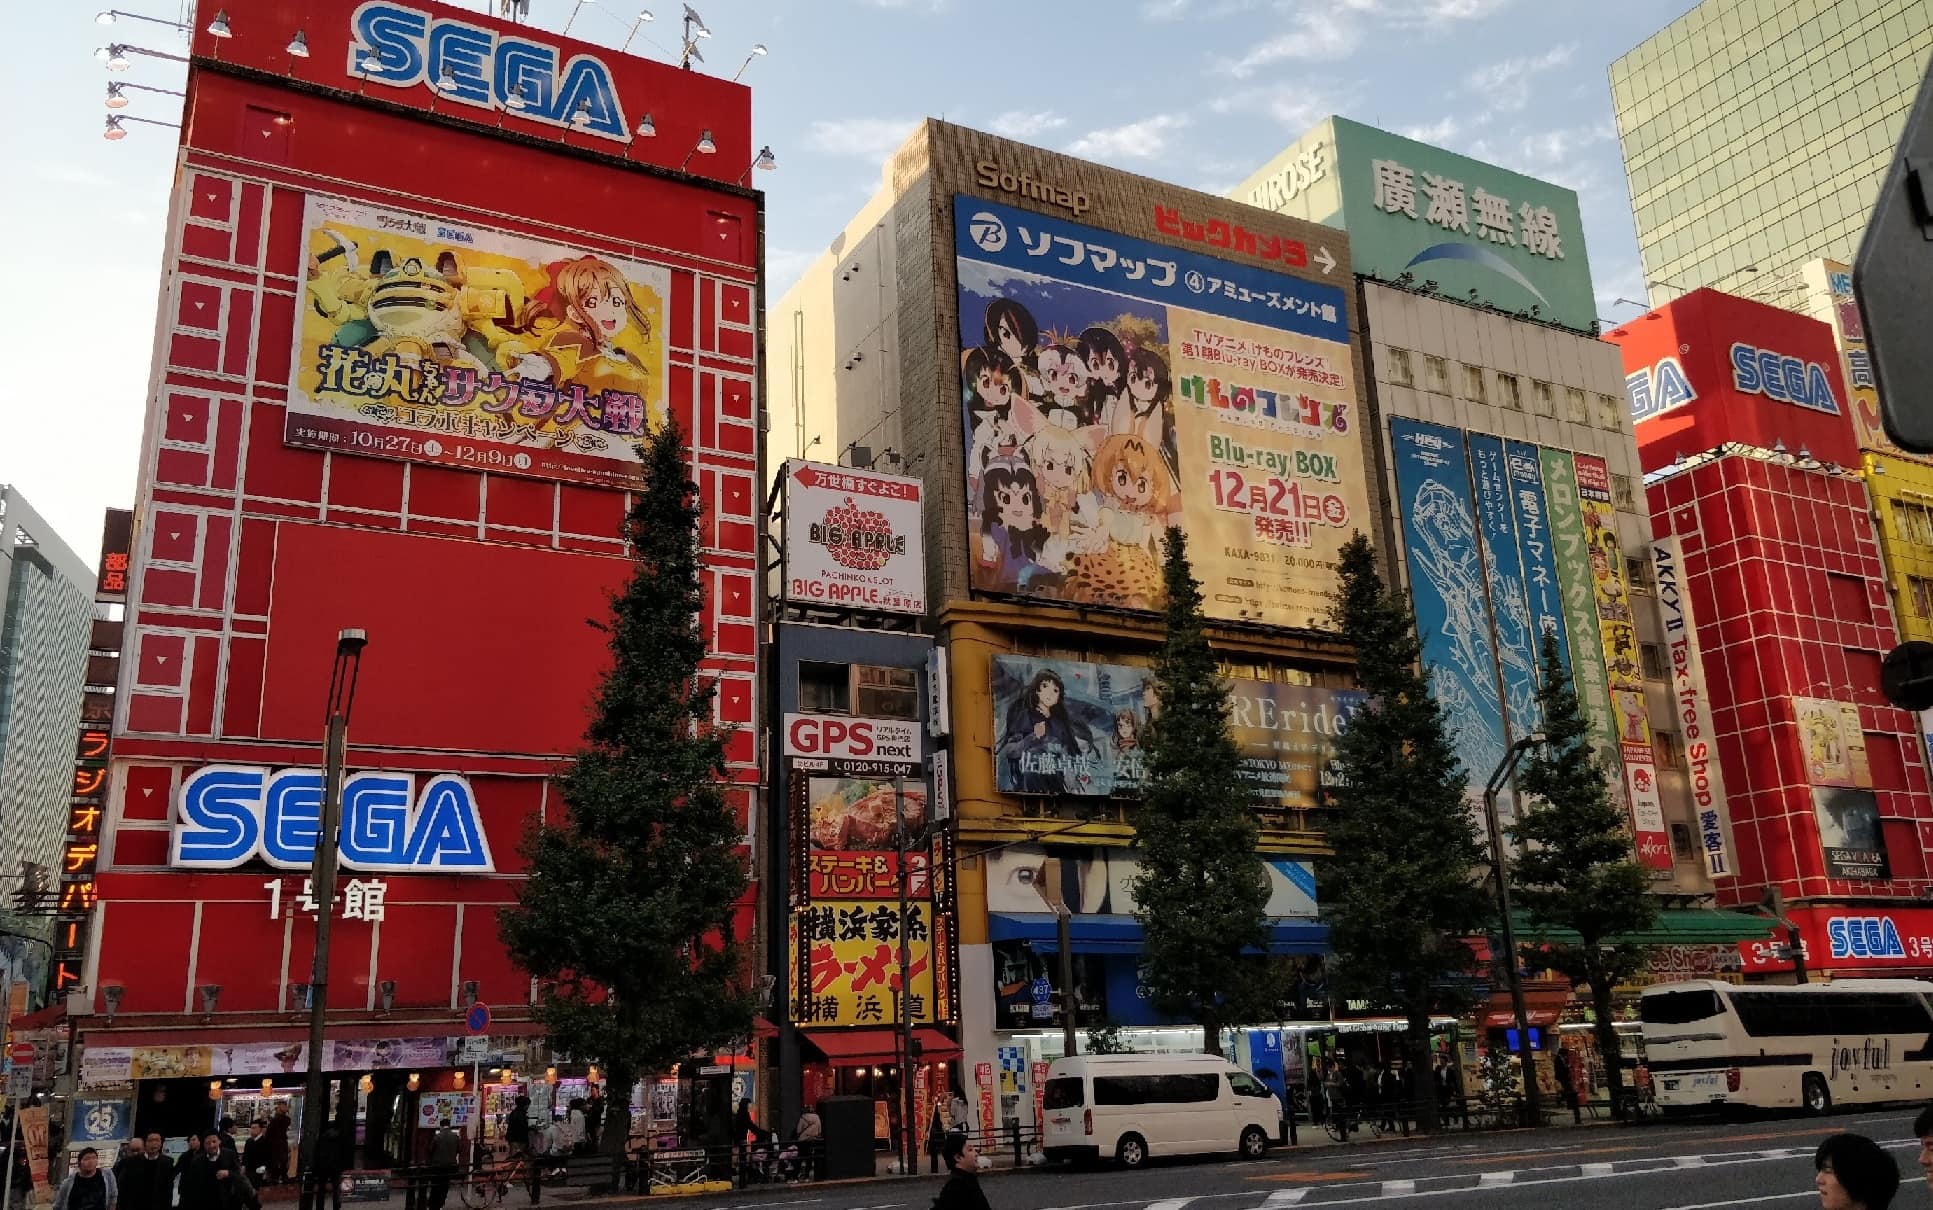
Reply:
x=1541, y=398
x=1807, y=1014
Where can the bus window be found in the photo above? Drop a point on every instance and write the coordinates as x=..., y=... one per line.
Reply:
x=1680, y=1008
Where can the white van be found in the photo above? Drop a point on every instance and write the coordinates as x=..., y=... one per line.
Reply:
x=1130, y=1107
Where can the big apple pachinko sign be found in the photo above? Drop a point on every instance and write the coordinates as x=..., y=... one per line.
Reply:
x=852, y=539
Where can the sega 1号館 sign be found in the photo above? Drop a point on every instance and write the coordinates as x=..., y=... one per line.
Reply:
x=228, y=815
x=843, y=744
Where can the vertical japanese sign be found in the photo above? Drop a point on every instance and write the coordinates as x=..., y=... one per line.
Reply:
x=1446, y=575
x=1574, y=583
x=73, y=884
x=1535, y=548
x=1504, y=573
x=117, y=540
x=1626, y=677
x=1692, y=703
x=1829, y=285
x=1112, y=387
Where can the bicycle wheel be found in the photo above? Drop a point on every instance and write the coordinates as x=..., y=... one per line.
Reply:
x=1335, y=1124
x=483, y=1190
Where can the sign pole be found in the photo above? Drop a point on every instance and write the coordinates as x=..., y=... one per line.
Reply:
x=908, y=1151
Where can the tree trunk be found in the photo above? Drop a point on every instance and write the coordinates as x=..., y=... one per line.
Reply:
x=614, y=1132
x=1211, y=1031
x=1422, y=1085
x=1607, y=1041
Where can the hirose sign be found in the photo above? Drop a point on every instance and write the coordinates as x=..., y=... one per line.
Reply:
x=847, y=744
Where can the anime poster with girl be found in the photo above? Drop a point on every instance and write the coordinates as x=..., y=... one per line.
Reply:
x=1065, y=727
x=430, y=340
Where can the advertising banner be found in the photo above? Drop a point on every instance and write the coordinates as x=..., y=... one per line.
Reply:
x=1849, y=833
x=32, y=1123
x=100, y=1120
x=1447, y=592
x=1535, y=549
x=852, y=972
x=1098, y=880
x=1833, y=741
x=1618, y=630
x=1111, y=388
x=1286, y=735
x=1692, y=701
x=1829, y=284
x=103, y=1065
x=849, y=844
x=1575, y=588
x=852, y=539
x=1504, y=572
x=1027, y=992
x=377, y=1054
x=430, y=340
x=840, y=743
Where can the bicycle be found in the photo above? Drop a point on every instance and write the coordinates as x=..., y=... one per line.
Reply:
x=1343, y=1121
x=489, y=1179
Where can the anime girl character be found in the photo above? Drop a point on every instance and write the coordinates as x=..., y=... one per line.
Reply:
x=582, y=329
x=1063, y=376
x=1120, y=564
x=1011, y=329
x=1043, y=745
x=991, y=383
x=1130, y=761
x=1144, y=408
x=1011, y=535
x=1062, y=456
x=1107, y=367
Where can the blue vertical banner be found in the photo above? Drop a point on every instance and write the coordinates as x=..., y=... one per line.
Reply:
x=1534, y=549
x=1504, y=571
x=1446, y=582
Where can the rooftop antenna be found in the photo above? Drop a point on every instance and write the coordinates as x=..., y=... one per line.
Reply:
x=695, y=28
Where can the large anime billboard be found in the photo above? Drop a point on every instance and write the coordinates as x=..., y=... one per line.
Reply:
x=434, y=341
x=1111, y=388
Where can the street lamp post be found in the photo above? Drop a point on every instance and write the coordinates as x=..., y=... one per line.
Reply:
x=1499, y=868
x=342, y=697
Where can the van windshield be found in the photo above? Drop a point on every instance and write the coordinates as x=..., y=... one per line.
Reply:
x=1063, y=1092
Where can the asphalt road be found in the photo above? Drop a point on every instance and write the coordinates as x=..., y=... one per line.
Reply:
x=1678, y=1166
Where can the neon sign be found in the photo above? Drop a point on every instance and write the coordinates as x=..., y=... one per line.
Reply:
x=474, y=65
x=230, y=814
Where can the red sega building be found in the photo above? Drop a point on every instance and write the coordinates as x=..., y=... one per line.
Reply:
x=428, y=276
x=1764, y=545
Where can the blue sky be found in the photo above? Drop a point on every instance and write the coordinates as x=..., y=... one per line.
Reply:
x=1199, y=92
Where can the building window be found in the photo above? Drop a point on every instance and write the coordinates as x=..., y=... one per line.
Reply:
x=825, y=688
x=1921, y=589
x=1574, y=406
x=1610, y=413
x=880, y=692
x=1541, y=400
x=1399, y=368
x=1473, y=384
x=1652, y=656
x=1637, y=571
x=1849, y=600
x=1624, y=493
x=1510, y=392
x=1681, y=846
x=1913, y=521
x=1436, y=375
x=1669, y=749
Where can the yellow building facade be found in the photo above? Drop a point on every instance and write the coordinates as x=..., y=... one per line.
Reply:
x=1902, y=496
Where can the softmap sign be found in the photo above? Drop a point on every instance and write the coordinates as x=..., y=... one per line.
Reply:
x=852, y=539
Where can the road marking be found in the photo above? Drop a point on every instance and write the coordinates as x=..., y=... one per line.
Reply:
x=1174, y=1203
x=1398, y=1188
x=1748, y=1201
x=1688, y=1161
x=1547, y=1151
x=1289, y=1176
x=1591, y=1170
x=1285, y=1197
x=1489, y=1179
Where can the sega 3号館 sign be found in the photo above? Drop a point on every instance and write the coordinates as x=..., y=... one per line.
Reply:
x=842, y=743
x=228, y=815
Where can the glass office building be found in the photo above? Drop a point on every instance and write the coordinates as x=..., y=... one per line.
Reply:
x=1756, y=134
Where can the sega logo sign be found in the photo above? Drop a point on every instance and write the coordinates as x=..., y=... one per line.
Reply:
x=231, y=814
x=837, y=737
x=473, y=65
x=1658, y=389
x=1757, y=371
x=1864, y=937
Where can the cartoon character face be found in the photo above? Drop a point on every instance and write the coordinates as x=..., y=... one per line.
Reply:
x=1102, y=367
x=411, y=300
x=1065, y=375
x=1048, y=695
x=1144, y=383
x=990, y=385
x=1131, y=486
x=606, y=311
x=1059, y=470
x=1014, y=503
x=1009, y=339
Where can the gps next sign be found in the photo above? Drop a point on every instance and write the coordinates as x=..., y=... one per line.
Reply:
x=1478, y=231
x=1712, y=368
x=840, y=743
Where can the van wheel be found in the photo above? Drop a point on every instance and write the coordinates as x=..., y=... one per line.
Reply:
x=1255, y=1144
x=1131, y=1151
x=1817, y=1099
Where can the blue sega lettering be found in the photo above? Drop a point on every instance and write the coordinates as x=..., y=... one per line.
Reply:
x=1864, y=937
x=1757, y=371
x=229, y=814
x=402, y=47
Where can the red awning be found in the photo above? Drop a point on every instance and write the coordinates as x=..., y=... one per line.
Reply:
x=873, y=1047
x=1541, y=1018
x=761, y=1028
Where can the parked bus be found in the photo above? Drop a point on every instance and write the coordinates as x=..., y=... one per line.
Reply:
x=1850, y=1042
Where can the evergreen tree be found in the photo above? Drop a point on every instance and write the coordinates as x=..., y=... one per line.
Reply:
x=1399, y=894
x=1202, y=894
x=1575, y=871
x=626, y=915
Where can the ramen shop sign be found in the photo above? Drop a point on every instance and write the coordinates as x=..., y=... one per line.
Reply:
x=837, y=741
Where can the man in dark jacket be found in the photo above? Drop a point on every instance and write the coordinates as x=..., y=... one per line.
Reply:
x=215, y=1180
x=962, y=1190
x=146, y=1177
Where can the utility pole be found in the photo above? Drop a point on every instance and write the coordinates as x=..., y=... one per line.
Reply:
x=315, y=1093
x=1498, y=866
x=1069, y=1002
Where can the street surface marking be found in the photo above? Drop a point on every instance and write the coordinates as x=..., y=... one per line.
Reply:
x=1748, y=1201
x=1398, y=1188
x=1285, y=1197
x=1290, y=1176
x=1590, y=1170
x=1176, y=1203
x=1496, y=1178
x=1518, y=1155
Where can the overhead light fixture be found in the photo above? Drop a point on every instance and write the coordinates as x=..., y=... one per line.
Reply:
x=647, y=129
x=371, y=62
x=446, y=82
x=299, y=45
x=581, y=117
x=114, y=133
x=109, y=16
x=104, y=17
x=699, y=28
x=758, y=50
x=115, y=99
x=645, y=17
x=515, y=101
x=117, y=58
x=765, y=161
x=705, y=145
x=218, y=28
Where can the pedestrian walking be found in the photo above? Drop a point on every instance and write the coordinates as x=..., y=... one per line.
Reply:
x=214, y=1179
x=255, y=1153
x=278, y=1145
x=935, y=1139
x=962, y=1189
x=1567, y=1084
x=327, y=1167
x=516, y=1133
x=810, y=1136
x=1854, y=1173
x=145, y=1179
x=445, y=1146
x=1923, y=1131
x=957, y=1118
x=594, y=1117
x=1388, y=1091
x=88, y=1187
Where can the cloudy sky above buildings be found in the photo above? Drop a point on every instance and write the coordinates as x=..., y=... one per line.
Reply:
x=1199, y=92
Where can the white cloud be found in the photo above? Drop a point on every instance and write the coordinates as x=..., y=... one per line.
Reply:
x=867, y=138
x=1505, y=86
x=1296, y=106
x=783, y=267
x=1019, y=124
x=1164, y=10
x=1438, y=133
x=1567, y=156
x=1433, y=12
x=1141, y=140
x=1319, y=33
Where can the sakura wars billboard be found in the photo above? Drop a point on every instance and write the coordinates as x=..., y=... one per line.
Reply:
x=433, y=341
x=1111, y=388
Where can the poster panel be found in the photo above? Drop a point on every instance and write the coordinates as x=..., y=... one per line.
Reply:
x=1067, y=727
x=852, y=539
x=1849, y=833
x=1575, y=588
x=1286, y=735
x=1446, y=577
x=1535, y=548
x=1692, y=700
x=1833, y=741
x=1620, y=642
x=1111, y=388
x=1830, y=286
x=851, y=964
x=1503, y=571
x=430, y=340
x=1098, y=880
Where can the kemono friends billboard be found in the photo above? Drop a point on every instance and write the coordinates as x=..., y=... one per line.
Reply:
x=1111, y=388
x=434, y=341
